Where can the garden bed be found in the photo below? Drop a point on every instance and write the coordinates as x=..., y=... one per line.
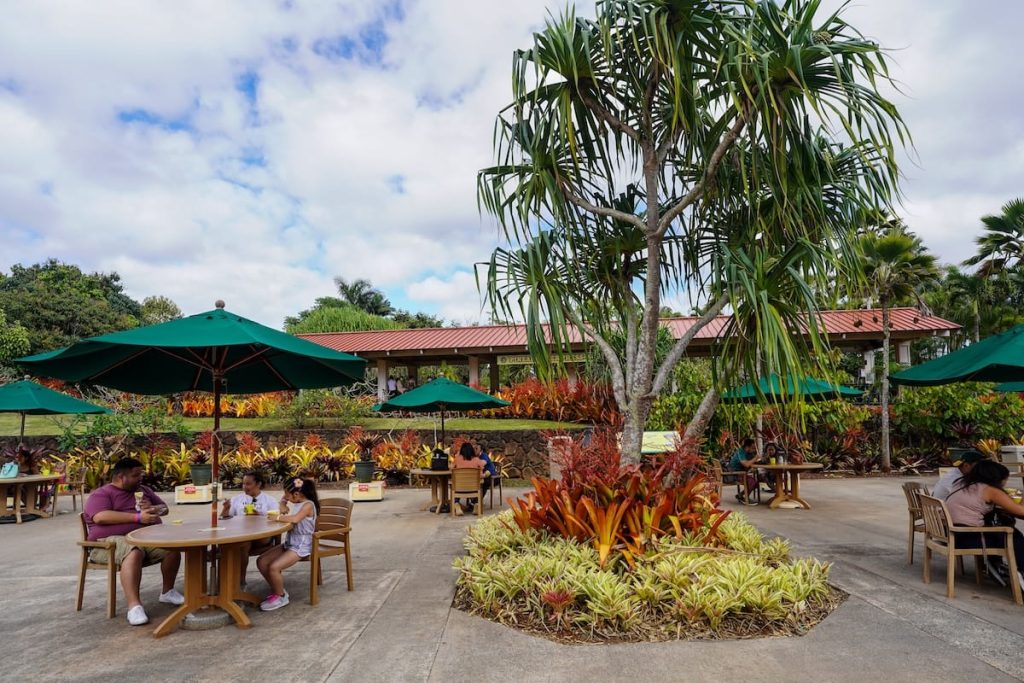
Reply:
x=746, y=587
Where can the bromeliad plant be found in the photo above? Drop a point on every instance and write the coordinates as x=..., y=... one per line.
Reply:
x=621, y=510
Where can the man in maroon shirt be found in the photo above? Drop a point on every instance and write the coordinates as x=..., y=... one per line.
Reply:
x=115, y=510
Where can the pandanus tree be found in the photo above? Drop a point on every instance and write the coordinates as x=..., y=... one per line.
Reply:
x=897, y=268
x=711, y=149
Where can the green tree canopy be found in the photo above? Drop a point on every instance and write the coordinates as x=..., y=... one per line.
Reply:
x=331, y=314
x=158, y=309
x=14, y=341
x=58, y=304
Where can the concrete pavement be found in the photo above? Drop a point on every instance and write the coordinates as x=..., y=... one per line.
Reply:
x=398, y=625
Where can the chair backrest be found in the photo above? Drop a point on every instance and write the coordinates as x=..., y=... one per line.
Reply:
x=77, y=476
x=465, y=480
x=913, y=490
x=85, y=527
x=936, y=518
x=335, y=513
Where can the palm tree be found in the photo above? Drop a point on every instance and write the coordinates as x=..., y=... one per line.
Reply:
x=698, y=110
x=896, y=266
x=1002, y=244
x=362, y=294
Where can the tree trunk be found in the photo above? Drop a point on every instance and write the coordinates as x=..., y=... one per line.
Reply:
x=702, y=418
x=884, y=399
x=759, y=424
x=632, y=439
x=977, y=323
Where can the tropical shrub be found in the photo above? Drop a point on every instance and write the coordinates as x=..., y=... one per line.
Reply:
x=545, y=583
x=938, y=417
x=311, y=406
x=200, y=404
x=561, y=401
x=166, y=464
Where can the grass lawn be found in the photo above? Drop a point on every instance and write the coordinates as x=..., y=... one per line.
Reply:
x=42, y=425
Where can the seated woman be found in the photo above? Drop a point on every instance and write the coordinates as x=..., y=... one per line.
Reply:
x=976, y=497
x=251, y=501
x=467, y=457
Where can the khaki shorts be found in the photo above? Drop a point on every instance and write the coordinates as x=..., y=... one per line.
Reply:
x=121, y=549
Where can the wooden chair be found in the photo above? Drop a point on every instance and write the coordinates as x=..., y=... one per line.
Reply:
x=109, y=566
x=913, y=490
x=467, y=482
x=496, y=484
x=742, y=485
x=333, y=524
x=717, y=478
x=940, y=536
x=75, y=487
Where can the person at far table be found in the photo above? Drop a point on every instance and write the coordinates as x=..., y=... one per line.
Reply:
x=744, y=460
x=980, y=498
x=950, y=481
x=253, y=500
x=467, y=457
x=490, y=468
x=117, y=509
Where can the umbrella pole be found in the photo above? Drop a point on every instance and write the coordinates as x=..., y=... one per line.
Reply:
x=215, y=448
x=442, y=427
x=21, y=437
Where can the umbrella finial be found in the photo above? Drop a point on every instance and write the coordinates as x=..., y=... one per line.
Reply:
x=219, y=303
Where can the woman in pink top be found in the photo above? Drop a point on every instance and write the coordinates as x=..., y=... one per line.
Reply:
x=467, y=457
x=979, y=492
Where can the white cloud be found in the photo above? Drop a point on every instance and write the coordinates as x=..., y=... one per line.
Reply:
x=456, y=297
x=130, y=141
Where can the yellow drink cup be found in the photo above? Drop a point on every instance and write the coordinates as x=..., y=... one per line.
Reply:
x=272, y=515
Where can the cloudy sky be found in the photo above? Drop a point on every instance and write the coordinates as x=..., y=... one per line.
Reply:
x=251, y=151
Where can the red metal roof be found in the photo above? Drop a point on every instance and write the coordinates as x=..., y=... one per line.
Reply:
x=903, y=321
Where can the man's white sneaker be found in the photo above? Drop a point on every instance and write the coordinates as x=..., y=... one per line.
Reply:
x=172, y=597
x=137, y=616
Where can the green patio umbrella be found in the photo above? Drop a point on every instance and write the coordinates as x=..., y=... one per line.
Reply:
x=773, y=389
x=216, y=351
x=442, y=395
x=999, y=358
x=29, y=398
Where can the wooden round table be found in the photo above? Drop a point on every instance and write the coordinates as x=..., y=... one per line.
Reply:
x=27, y=484
x=193, y=539
x=438, y=486
x=788, y=491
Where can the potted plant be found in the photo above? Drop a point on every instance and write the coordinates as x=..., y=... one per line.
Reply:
x=200, y=469
x=966, y=435
x=366, y=465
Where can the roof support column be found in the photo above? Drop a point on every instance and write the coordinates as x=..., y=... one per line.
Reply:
x=492, y=366
x=903, y=353
x=474, y=371
x=571, y=374
x=382, y=380
x=869, y=366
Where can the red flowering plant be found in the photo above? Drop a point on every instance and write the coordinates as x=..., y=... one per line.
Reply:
x=622, y=509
